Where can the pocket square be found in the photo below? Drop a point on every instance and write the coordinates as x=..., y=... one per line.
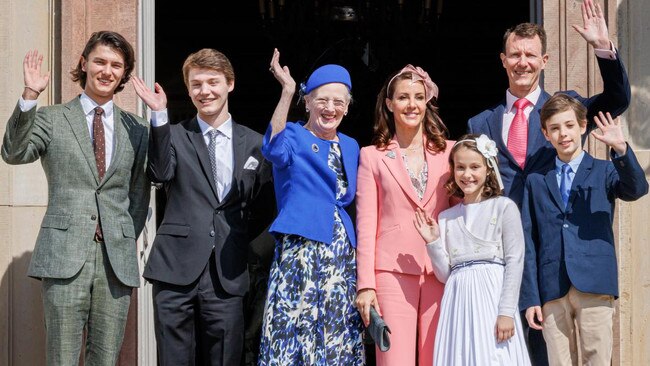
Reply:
x=251, y=163
x=378, y=330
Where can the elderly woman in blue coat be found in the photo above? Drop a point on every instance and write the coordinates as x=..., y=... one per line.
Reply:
x=309, y=317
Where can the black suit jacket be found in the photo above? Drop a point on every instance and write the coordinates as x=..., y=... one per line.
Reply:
x=195, y=223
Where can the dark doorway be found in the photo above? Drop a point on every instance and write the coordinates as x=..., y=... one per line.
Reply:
x=456, y=42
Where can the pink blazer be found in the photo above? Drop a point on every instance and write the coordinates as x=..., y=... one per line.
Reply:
x=387, y=239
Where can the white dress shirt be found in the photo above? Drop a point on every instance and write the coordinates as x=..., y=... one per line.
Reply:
x=223, y=154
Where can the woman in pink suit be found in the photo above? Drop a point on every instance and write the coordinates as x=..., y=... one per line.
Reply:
x=405, y=168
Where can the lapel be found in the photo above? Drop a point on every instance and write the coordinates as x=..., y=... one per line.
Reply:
x=495, y=125
x=195, y=136
x=74, y=114
x=395, y=164
x=581, y=176
x=239, y=154
x=120, y=136
x=536, y=138
x=551, y=184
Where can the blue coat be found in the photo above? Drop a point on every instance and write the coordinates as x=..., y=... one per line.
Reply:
x=575, y=245
x=615, y=99
x=305, y=186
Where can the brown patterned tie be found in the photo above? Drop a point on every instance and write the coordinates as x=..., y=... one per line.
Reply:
x=99, y=145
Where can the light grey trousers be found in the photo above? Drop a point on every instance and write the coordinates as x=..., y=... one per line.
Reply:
x=93, y=298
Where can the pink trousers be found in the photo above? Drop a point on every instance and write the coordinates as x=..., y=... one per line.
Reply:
x=409, y=305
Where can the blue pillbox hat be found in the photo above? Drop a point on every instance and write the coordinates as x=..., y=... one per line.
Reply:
x=328, y=74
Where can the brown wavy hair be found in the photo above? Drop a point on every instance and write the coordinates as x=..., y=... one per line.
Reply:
x=491, y=186
x=116, y=42
x=384, y=129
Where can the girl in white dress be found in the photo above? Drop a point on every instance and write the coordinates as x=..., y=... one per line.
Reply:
x=477, y=249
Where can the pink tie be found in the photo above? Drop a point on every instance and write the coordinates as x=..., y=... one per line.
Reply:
x=518, y=134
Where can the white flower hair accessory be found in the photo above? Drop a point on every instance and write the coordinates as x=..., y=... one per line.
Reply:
x=487, y=148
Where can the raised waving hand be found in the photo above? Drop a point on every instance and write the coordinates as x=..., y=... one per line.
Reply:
x=611, y=132
x=283, y=76
x=35, y=81
x=155, y=99
x=594, y=29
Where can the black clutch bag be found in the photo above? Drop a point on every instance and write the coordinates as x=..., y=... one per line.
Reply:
x=378, y=330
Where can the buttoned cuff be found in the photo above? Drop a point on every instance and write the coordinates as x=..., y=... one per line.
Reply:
x=159, y=118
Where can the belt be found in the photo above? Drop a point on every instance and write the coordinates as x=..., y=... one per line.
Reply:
x=473, y=262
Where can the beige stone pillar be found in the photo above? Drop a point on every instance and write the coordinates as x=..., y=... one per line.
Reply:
x=572, y=65
x=23, y=195
x=634, y=226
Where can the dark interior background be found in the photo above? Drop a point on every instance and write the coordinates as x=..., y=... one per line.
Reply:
x=456, y=42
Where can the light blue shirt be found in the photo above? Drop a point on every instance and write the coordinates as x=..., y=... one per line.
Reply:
x=574, y=164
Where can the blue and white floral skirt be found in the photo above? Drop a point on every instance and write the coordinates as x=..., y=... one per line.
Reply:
x=309, y=317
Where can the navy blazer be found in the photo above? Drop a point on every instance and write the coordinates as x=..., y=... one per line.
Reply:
x=575, y=245
x=305, y=186
x=614, y=99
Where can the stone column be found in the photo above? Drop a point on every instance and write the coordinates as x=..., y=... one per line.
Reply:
x=24, y=25
x=633, y=28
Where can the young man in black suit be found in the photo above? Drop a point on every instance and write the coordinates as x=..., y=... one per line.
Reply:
x=213, y=172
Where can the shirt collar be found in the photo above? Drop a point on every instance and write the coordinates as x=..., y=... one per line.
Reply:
x=225, y=128
x=532, y=98
x=88, y=105
x=574, y=164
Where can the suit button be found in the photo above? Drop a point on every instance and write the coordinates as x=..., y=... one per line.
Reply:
x=212, y=233
x=98, y=191
x=93, y=217
x=565, y=226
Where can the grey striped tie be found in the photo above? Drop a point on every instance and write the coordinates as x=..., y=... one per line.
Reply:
x=212, y=146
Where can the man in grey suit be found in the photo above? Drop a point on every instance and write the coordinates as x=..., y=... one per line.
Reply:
x=93, y=154
x=214, y=174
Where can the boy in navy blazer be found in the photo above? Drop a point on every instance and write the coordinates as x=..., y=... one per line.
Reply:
x=570, y=275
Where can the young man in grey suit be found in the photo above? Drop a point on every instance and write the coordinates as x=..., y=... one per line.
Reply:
x=213, y=173
x=93, y=154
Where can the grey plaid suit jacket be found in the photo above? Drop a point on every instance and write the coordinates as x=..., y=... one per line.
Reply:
x=59, y=136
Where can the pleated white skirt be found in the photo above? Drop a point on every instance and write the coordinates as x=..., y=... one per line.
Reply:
x=469, y=310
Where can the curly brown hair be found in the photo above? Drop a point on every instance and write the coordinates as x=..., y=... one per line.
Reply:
x=384, y=129
x=491, y=186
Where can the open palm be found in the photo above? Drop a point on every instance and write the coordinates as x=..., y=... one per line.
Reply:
x=33, y=77
x=611, y=132
x=594, y=29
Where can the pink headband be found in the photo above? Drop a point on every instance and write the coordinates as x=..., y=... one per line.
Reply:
x=417, y=74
